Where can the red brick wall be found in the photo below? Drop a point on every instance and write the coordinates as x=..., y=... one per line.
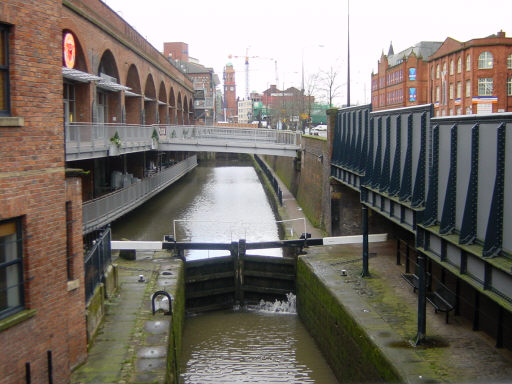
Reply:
x=309, y=183
x=33, y=187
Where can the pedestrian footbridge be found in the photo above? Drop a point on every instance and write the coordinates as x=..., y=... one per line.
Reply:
x=94, y=140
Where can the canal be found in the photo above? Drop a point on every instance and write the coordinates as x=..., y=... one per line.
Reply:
x=219, y=202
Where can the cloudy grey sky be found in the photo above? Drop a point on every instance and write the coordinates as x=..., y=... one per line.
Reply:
x=313, y=32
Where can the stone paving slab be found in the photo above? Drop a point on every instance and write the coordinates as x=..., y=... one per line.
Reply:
x=385, y=305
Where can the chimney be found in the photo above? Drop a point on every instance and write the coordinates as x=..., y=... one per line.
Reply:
x=501, y=34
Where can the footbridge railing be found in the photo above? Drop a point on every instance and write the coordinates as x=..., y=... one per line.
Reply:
x=94, y=140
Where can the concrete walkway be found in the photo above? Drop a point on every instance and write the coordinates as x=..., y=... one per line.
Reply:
x=131, y=344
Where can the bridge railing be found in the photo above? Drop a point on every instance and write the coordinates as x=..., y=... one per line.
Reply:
x=170, y=133
x=105, y=209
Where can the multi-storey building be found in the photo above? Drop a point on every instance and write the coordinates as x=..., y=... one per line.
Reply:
x=42, y=300
x=286, y=105
x=245, y=112
x=471, y=77
x=401, y=79
x=204, y=79
x=230, y=100
x=80, y=90
x=457, y=78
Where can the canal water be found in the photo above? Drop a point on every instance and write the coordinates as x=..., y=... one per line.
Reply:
x=221, y=202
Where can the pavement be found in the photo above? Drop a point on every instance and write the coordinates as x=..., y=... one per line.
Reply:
x=131, y=343
x=130, y=348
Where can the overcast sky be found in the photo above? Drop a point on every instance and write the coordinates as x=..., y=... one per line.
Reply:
x=314, y=32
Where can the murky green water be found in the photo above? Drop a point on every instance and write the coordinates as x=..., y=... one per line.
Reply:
x=223, y=204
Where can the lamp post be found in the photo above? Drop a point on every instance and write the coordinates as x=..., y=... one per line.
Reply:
x=348, y=53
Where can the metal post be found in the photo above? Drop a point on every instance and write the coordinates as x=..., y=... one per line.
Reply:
x=397, y=251
x=241, y=255
x=422, y=301
x=50, y=367
x=365, y=272
x=27, y=373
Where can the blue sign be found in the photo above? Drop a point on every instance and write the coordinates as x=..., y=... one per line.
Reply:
x=412, y=73
x=412, y=94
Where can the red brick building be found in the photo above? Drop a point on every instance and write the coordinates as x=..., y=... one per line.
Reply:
x=402, y=79
x=204, y=80
x=457, y=78
x=472, y=77
x=62, y=63
x=230, y=100
x=41, y=265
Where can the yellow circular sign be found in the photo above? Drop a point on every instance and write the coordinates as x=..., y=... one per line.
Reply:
x=69, y=50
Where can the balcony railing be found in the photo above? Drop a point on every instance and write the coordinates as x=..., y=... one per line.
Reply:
x=103, y=210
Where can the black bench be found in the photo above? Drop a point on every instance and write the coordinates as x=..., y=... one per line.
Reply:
x=412, y=279
x=442, y=299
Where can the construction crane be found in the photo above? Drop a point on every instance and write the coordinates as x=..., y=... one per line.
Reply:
x=247, y=57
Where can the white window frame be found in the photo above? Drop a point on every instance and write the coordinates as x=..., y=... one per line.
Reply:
x=485, y=60
x=485, y=86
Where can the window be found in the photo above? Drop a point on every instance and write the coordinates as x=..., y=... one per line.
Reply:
x=437, y=93
x=459, y=89
x=451, y=91
x=437, y=71
x=4, y=71
x=485, y=60
x=468, y=63
x=444, y=68
x=509, y=62
x=459, y=65
x=11, y=268
x=468, y=88
x=452, y=67
x=485, y=86
x=509, y=86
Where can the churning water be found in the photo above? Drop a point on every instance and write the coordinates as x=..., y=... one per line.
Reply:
x=260, y=344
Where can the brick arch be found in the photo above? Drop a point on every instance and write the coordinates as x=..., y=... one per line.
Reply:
x=163, y=111
x=133, y=105
x=172, y=106
x=80, y=57
x=179, y=109
x=185, y=110
x=108, y=65
x=150, y=110
x=81, y=109
x=191, y=111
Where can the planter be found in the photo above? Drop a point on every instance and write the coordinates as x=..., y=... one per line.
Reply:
x=113, y=150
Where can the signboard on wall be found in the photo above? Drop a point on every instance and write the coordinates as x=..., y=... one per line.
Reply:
x=69, y=50
x=412, y=94
x=412, y=73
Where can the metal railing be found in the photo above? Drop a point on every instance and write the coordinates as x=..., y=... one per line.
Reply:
x=105, y=209
x=93, y=137
x=173, y=133
x=89, y=140
x=97, y=259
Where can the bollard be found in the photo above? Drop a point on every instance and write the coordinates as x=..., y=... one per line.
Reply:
x=163, y=293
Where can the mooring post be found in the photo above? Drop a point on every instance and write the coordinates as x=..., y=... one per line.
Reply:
x=236, y=266
x=366, y=272
x=422, y=300
x=242, y=247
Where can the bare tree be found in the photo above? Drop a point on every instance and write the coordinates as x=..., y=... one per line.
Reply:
x=310, y=86
x=329, y=83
